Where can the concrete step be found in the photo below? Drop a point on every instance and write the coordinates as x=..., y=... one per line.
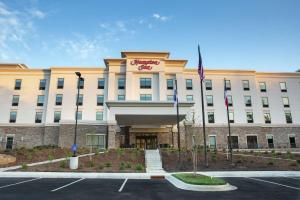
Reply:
x=153, y=161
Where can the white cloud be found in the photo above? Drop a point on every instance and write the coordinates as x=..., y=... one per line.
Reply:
x=159, y=17
x=37, y=13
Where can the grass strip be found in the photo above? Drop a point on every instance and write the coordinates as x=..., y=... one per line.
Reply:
x=198, y=179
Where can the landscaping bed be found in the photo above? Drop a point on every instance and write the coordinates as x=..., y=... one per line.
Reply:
x=119, y=160
x=272, y=154
x=218, y=162
x=197, y=179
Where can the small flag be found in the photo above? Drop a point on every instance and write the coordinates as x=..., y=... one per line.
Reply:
x=200, y=66
x=225, y=94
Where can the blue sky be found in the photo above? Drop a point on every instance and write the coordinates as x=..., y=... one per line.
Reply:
x=262, y=35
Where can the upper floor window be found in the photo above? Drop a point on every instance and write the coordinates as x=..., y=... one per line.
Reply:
x=249, y=117
x=246, y=85
x=58, y=100
x=121, y=97
x=265, y=102
x=170, y=84
x=15, y=100
x=230, y=102
x=288, y=117
x=209, y=100
x=211, y=117
x=170, y=97
x=285, y=101
x=81, y=83
x=146, y=97
x=262, y=86
x=208, y=84
x=121, y=83
x=40, y=100
x=189, y=98
x=38, y=117
x=227, y=84
x=13, y=117
x=99, y=115
x=231, y=117
x=247, y=100
x=57, y=115
x=267, y=117
x=189, y=84
x=18, y=83
x=100, y=100
x=283, y=86
x=80, y=100
x=145, y=83
x=79, y=115
x=42, y=84
x=60, y=83
x=101, y=83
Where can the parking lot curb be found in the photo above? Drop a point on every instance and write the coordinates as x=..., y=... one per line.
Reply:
x=251, y=173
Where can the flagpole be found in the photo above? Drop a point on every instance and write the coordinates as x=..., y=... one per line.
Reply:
x=178, y=129
x=203, y=123
x=229, y=132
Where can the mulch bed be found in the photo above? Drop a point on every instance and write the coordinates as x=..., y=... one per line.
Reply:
x=120, y=160
x=287, y=155
x=217, y=161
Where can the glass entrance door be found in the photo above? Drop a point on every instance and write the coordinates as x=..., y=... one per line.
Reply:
x=146, y=142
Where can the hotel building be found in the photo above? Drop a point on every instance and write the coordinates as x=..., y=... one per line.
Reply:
x=129, y=103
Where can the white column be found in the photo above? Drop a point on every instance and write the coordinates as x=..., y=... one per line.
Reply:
x=129, y=86
x=162, y=87
x=111, y=86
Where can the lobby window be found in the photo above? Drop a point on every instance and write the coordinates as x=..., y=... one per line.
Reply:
x=270, y=141
x=231, y=117
x=292, y=141
x=209, y=100
x=96, y=141
x=212, y=142
x=227, y=84
x=189, y=84
x=13, y=117
x=42, y=84
x=267, y=117
x=249, y=117
x=229, y=97
x=285, y=101
x=100, y=100
x=283, y=86
x=265, y=102
x=145, y=83
x=60, y=83
x=38, y=117
x=99, y=116
x=101, y=83
x=247, y=100
x=189, y=98
x=234, y=142
x=79, y=115
x=15, y=100
x=81, y=84
x=121, y=83
x=80, y=100
x=170, y=84
x=57, y=115
x=40, y=100
x=288, y=117
x=18, y=83
x=58, y=99
x=262, y=86
x=211, y=117
x=170, y=97
x=121, y=97
x=246, y=85
x=208, y=84
x=146, y=97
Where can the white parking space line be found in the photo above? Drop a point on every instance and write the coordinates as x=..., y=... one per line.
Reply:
x=256, y=179
x=67, y=185
x=122, y=186
x=18, y=183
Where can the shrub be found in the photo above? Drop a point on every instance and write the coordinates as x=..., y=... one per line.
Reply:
x=293, y=164
x=122, y=167
x=120, y=152
x=91, y=163
x=68, y=153
x=270, y=163
x=63, y=164
x=289, y=155
x=251, y=151
x=128, y=165
x=100, y=167
x=29, y=156
x=50, y=157
x=108, y=164
x=189, y=159
x=24, y=166
x=298, y=161
x=139, y=167
x=239, y=162
x=214, y=157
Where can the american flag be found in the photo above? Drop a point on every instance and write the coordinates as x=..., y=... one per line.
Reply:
x=225, y=94
x=200, y=66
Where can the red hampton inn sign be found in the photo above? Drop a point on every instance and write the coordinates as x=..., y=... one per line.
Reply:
x=144, y=64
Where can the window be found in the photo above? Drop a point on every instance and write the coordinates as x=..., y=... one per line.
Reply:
x=38, y=117
x=101, y=83
x=209, y=100
x=234, y=142
x=189, y=98
x=285, y=101
x=227, y=85
x=231, y=117
x=208, y=84
x=211, y=117
x=262, y=86
x=60, y=83
x=12, y=116
x=265, y=102
x=283, y=86
x=252, y=142
x=100, y=100
x=248, y=102
x=96, y=141
x=145, y=83
x=267, y=118
x=121, y=97
x=57, y=116
x=146, y=97
x=80, y=100
x=212, y=142
x=121, y=83
x=99, y=115
x=246, y=85
x=170, y=97
x=270, y=141
x=58, y=100
x=9, y=142
x=288, y=117
x=229, y=97
x=81, y=83
x=18, y=83
x=292, y=141
x=15, y=100
x=79, y=115
x=40, y=100
x=189, y=84
x=170, y=84
x=249, y=117
x=42, y=84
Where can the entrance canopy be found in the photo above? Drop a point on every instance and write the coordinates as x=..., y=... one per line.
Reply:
x=146, y=113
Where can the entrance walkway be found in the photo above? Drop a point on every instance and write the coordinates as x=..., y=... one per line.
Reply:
x=153, y=162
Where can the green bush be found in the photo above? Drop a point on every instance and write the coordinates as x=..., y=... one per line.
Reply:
x=139, y=167
x=50, y=157
x=108, y=164
x=120, y=152
x=91, y=163
x=68, y=153
x=128, y=165
x=100, y=167
x=24, y=166
x=63, y=164
x=29, y=156
x=298, y=161
x=270, y=163
x=214, y=157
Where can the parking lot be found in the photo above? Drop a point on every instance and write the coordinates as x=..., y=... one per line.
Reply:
x=43, y=188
